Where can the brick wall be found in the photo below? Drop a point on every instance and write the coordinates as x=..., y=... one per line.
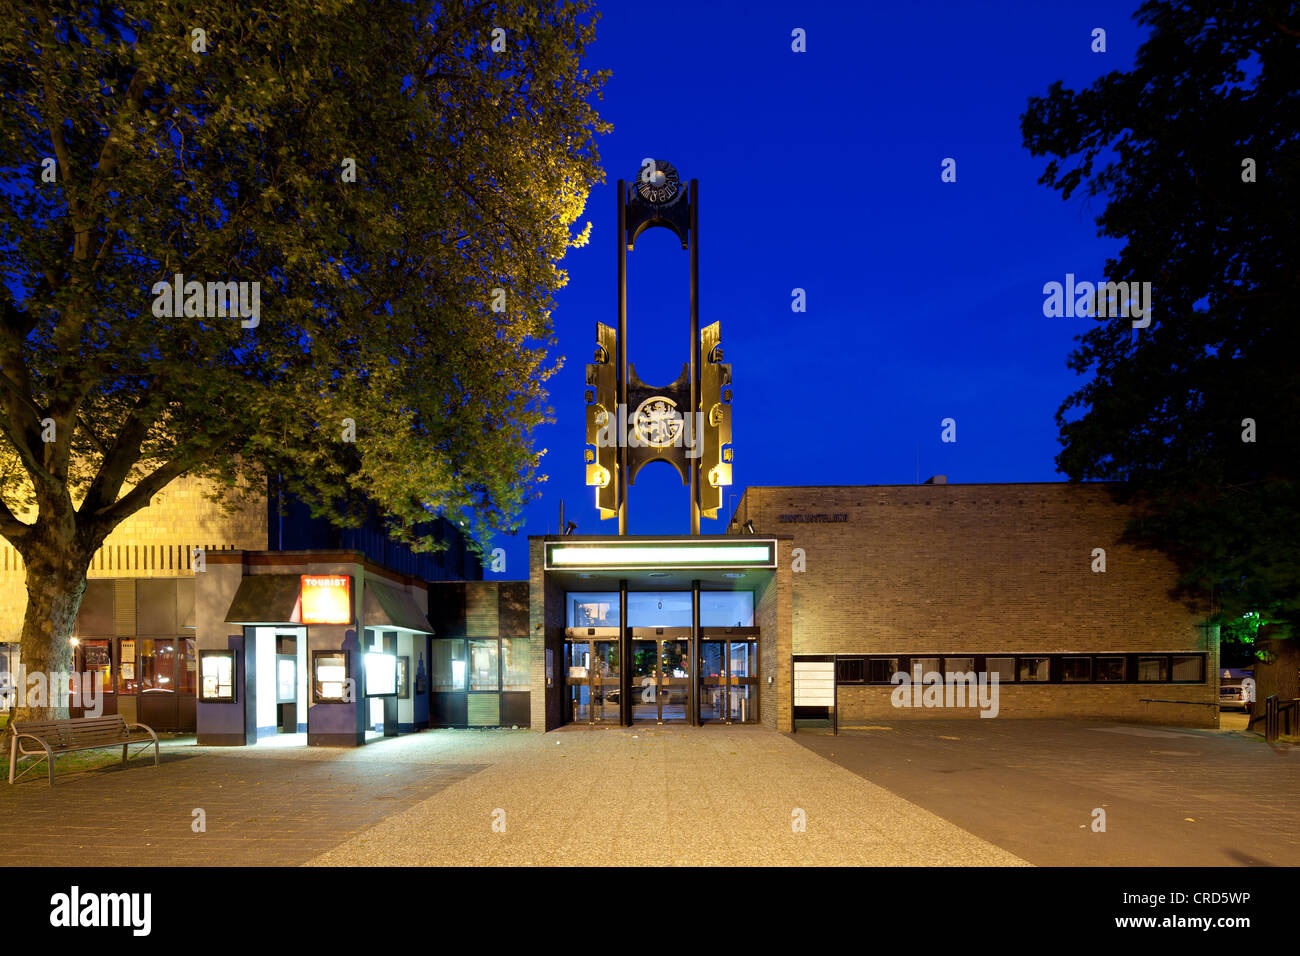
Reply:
x=981, y=569
x=154, y=542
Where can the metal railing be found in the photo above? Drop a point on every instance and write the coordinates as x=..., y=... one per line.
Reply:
x=1275, y=712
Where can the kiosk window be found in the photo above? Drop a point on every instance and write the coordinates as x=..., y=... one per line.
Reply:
x=404, y=678
x=286, y=679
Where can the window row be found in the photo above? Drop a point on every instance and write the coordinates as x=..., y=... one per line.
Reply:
x=140, y=665
x=1032, y=668
x=491, y=663
x=659, y=609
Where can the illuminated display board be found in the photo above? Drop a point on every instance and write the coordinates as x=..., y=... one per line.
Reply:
x=326, y=599
x=381, y=674
x=584, y=555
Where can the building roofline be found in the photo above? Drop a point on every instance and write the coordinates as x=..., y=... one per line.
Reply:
x=947, y=484
x=324, y=556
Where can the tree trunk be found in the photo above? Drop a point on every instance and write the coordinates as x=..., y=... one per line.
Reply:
x=1277, y=668
x=56, y=582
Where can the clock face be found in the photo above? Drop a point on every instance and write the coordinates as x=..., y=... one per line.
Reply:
x=657, y=182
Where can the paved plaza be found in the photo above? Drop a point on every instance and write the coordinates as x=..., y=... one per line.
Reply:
x=931, y=793
x=1171, y=796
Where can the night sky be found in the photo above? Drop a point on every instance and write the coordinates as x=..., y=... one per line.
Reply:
x=821, y=170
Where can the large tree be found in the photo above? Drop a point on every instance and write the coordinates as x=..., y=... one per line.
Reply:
x=401, y=179
x=1196, y=151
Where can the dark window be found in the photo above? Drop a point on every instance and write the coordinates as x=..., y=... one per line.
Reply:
x=850, y=670
x=927, y=665
x=958, y=665
x=1034, y=669
x=1110, y=669
x=1004, y=667
x=1153, y=669
x=1188, y=668
x=449, y=665
x=1076, y=668
x=883, y=669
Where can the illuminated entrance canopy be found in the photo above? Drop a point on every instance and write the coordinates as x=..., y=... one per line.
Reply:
x=634, y=555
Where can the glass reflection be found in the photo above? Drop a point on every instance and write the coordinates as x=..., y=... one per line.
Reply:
x=645, y=697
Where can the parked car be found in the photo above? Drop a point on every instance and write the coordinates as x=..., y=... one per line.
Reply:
x=1232, y=688
x=1232, y=697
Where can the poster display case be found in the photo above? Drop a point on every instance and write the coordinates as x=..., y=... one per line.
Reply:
x=217, y=676
x=331, y=677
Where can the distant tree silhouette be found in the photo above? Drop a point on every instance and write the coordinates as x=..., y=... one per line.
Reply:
x=1197, y=153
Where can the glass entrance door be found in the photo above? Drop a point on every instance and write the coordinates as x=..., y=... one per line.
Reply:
x=661, y=680
x=729, y=681
x=592, y=677
x=606, y=688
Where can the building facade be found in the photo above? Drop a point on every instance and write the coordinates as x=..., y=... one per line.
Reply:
x=151, y=607
x=1029, y=581
x=812, y=607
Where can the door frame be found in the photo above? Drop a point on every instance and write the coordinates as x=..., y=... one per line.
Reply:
x=658, y=636
x=588, y=642
x=726, y=636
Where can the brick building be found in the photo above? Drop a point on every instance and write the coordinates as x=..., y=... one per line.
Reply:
x=982, y=577
x=813, y=606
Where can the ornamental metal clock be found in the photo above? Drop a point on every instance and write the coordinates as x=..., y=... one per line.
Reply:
x=630, y=423
x=658, y=182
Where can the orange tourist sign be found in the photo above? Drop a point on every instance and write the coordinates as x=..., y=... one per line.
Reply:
x=326, y=599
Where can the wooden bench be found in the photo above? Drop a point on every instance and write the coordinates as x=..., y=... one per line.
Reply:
x=45, y=738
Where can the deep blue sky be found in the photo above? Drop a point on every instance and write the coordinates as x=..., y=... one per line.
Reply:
x=821, y=170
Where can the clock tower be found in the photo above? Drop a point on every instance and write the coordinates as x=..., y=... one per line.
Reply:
x=686, y=423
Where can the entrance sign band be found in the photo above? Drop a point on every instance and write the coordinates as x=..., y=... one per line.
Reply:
x=745, y=553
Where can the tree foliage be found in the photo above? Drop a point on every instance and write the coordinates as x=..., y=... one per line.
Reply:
x=1164, y=414
x=213, y=140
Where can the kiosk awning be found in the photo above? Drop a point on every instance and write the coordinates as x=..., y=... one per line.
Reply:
x=265, y=598
x=384, y=606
